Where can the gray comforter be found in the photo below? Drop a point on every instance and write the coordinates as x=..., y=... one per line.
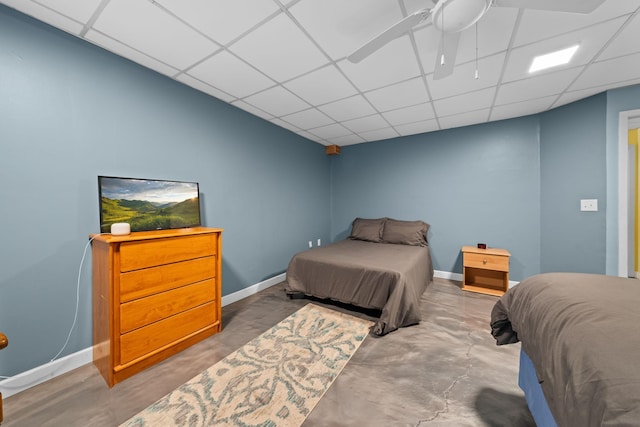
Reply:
x=387, y=277
x=582, y=333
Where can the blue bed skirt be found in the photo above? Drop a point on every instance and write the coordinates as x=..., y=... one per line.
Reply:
x=528, y=382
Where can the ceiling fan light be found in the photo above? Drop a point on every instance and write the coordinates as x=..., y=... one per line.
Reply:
x=553, y=59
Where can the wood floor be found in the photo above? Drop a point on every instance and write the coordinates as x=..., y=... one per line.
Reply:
x=446, y=371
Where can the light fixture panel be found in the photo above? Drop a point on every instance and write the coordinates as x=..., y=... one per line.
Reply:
x=553, y=59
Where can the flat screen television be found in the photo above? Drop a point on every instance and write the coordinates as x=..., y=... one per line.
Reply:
x=148, y=204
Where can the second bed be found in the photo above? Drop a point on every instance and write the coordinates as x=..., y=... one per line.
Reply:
x=388, y=275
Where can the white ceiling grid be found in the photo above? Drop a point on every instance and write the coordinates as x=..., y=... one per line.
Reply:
x=285, y=61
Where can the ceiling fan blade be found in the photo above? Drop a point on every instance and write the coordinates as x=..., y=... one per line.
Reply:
x=574, y=6
x=389, y=34
x=450, y=51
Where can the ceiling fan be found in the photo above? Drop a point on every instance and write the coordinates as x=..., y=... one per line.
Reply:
x=451, y=17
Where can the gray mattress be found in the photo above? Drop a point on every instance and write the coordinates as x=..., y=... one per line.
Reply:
x=387, y=277
x=582, y=333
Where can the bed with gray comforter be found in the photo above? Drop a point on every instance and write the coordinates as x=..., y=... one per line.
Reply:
x=372, y=269
x=582, y=333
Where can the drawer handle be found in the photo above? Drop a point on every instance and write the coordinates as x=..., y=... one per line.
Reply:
x=484, y=260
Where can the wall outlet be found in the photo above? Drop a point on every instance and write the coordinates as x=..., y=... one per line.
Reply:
x=310, y=244
x=589, y=205
x=318, y=242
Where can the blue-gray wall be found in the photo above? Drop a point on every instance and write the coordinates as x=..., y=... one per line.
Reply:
x=472, y=184
x=70, y=111
x=573, y=167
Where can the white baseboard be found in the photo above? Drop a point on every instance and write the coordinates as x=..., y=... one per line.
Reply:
x=42, y=373
x=246, y=292
x=447, y=275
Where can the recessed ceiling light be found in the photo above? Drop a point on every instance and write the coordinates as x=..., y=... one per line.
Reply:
x=552, y=59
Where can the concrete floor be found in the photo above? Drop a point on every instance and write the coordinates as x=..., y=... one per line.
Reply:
x=446, y=371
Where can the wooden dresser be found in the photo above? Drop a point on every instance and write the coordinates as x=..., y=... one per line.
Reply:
x=155, y=293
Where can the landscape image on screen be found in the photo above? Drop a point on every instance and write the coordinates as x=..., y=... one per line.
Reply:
x=148, y=204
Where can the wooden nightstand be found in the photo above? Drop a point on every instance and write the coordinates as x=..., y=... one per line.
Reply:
x=485, y=270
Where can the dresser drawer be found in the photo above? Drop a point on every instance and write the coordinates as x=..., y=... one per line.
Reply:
x=140, y=283
x=135, y=255
x=486, y=261
x=147, y=339
x=144, y=311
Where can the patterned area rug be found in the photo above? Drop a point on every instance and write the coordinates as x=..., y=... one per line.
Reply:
x=274, y=380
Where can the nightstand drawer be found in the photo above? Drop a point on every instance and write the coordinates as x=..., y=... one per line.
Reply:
x=486, y=261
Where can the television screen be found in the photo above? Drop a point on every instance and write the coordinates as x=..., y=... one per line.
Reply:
x=148, y=204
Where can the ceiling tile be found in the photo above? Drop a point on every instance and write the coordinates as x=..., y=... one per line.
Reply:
x=230, y=74
x=79, y=11
x=590, y=40
x=347, y=140
x=399, y=95
x=252, y=109
x=203, y=87
x=463, y=78
x=585, y=93
x=330, y=131
x=524, y=108
x=467, y=102
x=283, y=124
x=53, y=17
x=348, y=108
x=415, y=5
x=312, y=137
x=625, y=42
x=417, y=127
x=464, y=119
x=391, y=64
x=536, y=24
x=494, y=31
x=273, y=46
x=222, y=21
x=379, y=134
x=308, y=119
x=612, y=70
x=278, y=101
x=411, y=114
x=127, y=52
x=536, y=87
x=145, y=27
x=568, y=97
x=321, y=86
x=340, y=27
x=365, y=124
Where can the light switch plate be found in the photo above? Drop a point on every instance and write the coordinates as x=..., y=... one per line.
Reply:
x=589, y=205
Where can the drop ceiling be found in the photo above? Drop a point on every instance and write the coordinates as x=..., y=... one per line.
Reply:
x=285, y=61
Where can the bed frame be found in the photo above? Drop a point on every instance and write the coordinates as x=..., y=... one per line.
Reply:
x=528, y=382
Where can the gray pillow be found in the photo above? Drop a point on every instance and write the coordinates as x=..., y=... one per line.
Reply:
x=412, y=233
x=369, y=230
